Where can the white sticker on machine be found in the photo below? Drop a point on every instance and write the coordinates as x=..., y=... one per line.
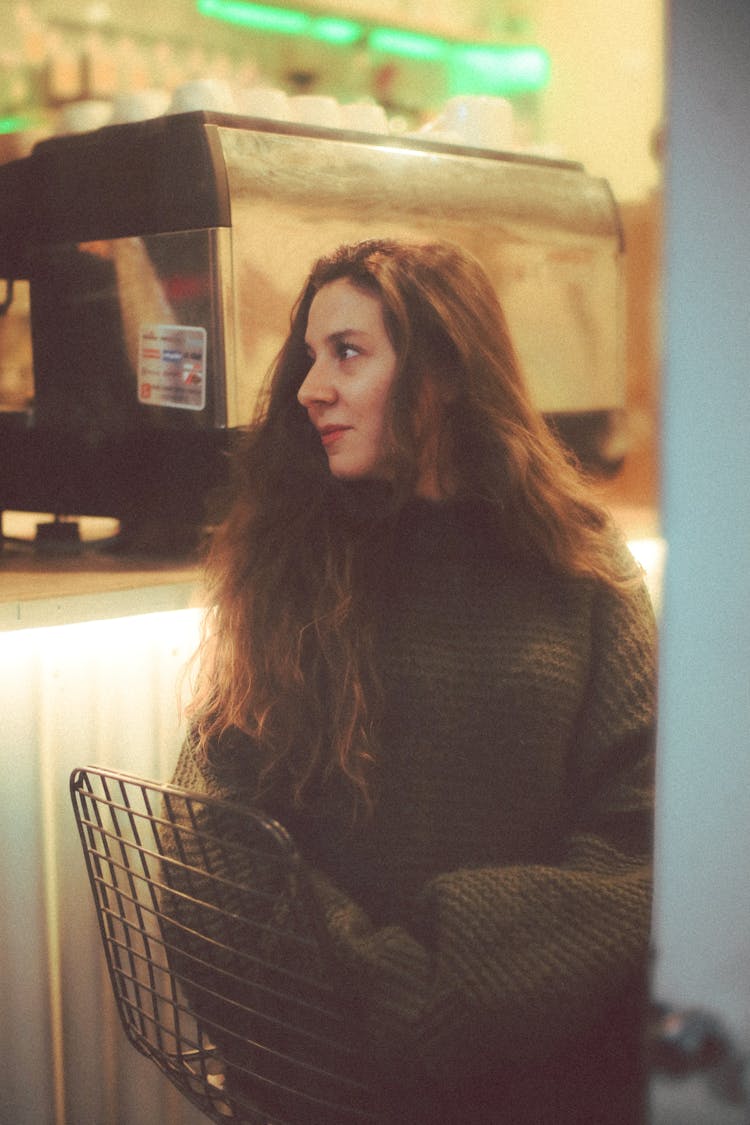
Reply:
x=172, y=366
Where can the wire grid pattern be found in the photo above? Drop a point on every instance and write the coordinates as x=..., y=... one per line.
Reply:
x=217, y=955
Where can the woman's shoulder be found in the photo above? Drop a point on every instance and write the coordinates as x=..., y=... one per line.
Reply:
x=221, y=766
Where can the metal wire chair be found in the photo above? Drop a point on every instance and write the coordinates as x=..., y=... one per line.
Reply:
x=217, y=954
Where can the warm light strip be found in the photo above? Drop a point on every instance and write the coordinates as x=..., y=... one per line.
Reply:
x=473, y=67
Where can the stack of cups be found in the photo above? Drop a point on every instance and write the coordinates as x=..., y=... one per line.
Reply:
x=83, y=116
x=364, y=117
x=315, y=109
x=272, y=104
x=139, y=105
x=479, y=121
x=264, y=101
x=203, y=93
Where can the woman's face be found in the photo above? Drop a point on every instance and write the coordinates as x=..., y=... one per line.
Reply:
x=346, y=392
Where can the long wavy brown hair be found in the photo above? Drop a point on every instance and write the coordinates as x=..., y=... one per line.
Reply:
x=288, y=652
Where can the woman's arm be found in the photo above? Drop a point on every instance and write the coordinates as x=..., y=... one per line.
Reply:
x=509, y=961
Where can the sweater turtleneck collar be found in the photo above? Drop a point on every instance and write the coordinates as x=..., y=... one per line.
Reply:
x=450, y=529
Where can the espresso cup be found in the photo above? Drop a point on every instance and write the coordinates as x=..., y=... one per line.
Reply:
x=364, y=117
x=203, y=93
x=139, y=105
x=315, y=109
x=263, y=101
x=84, y=116
x=481, y=121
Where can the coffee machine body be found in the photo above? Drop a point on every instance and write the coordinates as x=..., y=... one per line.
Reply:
x=163, y=258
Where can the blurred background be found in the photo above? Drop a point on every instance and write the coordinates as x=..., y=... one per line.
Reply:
x=656, y=99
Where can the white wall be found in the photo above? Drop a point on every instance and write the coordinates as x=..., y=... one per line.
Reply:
x=703, y=873
x=605, y=98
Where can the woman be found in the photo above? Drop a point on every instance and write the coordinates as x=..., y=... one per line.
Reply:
x=432, y=658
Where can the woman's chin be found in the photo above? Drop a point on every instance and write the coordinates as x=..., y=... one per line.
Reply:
x=353, y=472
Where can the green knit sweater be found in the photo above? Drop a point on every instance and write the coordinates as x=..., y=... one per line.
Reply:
x=492, y=916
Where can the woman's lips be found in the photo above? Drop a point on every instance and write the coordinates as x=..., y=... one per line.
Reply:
x=331, y=434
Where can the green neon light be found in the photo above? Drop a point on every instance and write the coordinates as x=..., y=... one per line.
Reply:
x=260, y=17
x=490, y=70
x=472, y=68
x=330, y=29
x=17, y=124
x=408, y=44
x=283, y=21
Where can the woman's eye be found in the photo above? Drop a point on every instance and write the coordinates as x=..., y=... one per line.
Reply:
x=346, y=351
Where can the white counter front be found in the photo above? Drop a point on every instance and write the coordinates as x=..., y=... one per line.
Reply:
x=93, y=648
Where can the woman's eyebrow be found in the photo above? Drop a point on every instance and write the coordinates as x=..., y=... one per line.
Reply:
x=338, y=335
x=342, y=333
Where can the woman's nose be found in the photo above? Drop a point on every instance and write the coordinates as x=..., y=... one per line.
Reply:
x=316, y=387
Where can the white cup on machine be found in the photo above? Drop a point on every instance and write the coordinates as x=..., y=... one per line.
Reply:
x=315, y=109
x=84, y=116
x=481, y=121
x=364, y=117
x=139, y=105
x=203, y=93
x=264, y=101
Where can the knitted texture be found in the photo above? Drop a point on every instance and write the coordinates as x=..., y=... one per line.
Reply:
x=492, y=915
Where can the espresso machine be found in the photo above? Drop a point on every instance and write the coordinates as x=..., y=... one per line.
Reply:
x=162, y=259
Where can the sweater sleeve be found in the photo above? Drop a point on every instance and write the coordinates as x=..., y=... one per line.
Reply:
x=508, y=962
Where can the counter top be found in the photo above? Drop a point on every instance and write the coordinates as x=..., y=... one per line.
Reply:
x=41, y=587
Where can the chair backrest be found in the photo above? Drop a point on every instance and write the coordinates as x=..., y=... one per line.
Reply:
x=218, y=956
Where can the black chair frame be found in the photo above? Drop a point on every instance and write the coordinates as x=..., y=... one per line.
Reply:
x=218, y=956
